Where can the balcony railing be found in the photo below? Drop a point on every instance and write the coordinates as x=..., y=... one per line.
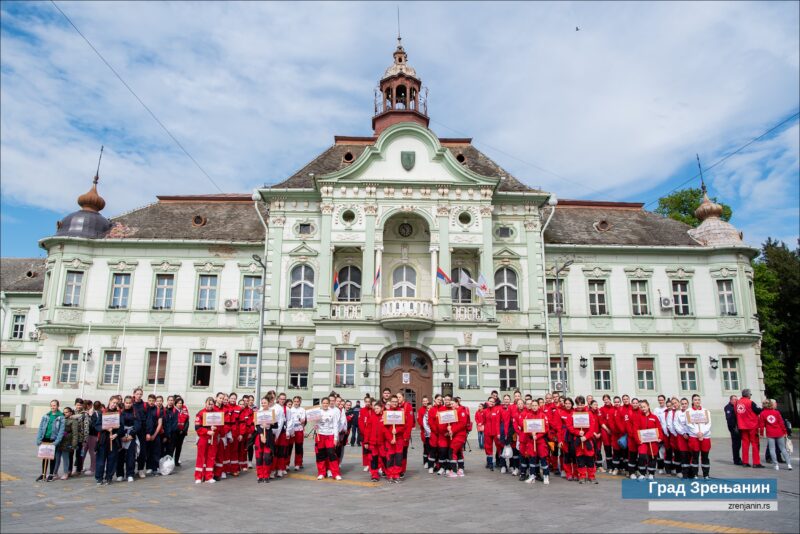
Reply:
x=346, y=311
x=406, y=308
x=466, y=312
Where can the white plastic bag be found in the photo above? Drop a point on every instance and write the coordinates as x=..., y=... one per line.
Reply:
x=507, y=453
x=166, y=465
x=789, y=446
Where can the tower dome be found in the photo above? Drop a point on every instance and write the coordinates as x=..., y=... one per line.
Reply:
x=713, y=231
x=399, y=96
x=86, y=222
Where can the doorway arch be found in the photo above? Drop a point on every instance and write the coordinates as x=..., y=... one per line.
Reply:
x=408, y=370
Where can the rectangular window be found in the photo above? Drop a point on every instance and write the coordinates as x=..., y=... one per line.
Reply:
x=112, y=365
x=156, y=366
x=646, y=374
x=345, y=367
x=602, y=374
x=201, y=369
x=298, y=370
x=304, y=228
x=120, y=289
x=680, y=297
x=68, y=370
x=556, y=376
x=72, y=288
x=468, y=369
x=207, y=292
x=12, y=378
x=18, y=326
x=504, y=232
x=639, y=297
x=727, y=306
x=688, y=374
x=553, y=296
x=165, y=286
x=508, y=372
x=247, y=370
x=597, y=297
x=251, y=294
x=730, y=374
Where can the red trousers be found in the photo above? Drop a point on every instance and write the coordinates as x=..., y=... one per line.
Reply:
x=263, y=457
x=232, y=456
x=206, y=455
x=376, y=456
x=489, y=441
x=297, y=442
x=584, y=459
x=704, y=445
x=243, y=453
x=282, y=452
x=750, y=437
x=394, y=459
x=221, y=461
x=325, y=449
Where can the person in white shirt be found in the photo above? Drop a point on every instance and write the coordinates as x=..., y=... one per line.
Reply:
x=682, y=431
x=660, y=412
x=298, y=427
x=326, y=433
x=698, y=423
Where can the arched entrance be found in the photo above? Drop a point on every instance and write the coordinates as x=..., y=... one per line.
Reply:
x=408, y=370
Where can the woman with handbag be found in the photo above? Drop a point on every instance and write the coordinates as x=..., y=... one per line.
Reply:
x=773, y=427
x=183, y=428
x=51, y=431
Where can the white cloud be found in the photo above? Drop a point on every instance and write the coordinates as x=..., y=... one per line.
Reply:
x=254, y=90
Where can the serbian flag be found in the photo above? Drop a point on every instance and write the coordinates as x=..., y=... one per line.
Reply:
x=442, y=276
x=377, y=278
x=336, y=284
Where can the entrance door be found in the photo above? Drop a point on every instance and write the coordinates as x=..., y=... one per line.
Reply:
x=410, y=371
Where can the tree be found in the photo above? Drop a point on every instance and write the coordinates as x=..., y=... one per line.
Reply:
x=680, y=206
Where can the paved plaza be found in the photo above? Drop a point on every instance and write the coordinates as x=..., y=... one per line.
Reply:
x=480, y=502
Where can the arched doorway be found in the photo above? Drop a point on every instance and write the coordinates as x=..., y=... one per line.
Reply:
x=408, y=370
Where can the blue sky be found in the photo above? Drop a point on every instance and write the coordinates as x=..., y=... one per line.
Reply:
x=615, y=111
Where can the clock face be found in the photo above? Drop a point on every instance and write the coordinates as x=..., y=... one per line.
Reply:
x=404, y=229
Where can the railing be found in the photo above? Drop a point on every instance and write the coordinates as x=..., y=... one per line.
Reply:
x=346, y=311
x=466, y=312
x=405, y=307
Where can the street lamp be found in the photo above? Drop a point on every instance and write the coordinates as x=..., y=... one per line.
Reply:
x=446, y=369
x=584, y=362
x=559, y=310
x=366, y=365
x=260, y=356
x=714, y=363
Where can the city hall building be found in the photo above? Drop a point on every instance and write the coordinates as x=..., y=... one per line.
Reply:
x=168, y=296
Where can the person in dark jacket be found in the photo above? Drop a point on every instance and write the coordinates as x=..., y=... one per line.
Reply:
x=170, y=435
x=736, y=438
x=183, y=428
x=51, y=430
x=129, y=429
x=140, y=408
x=108, y=445
x=154, y=428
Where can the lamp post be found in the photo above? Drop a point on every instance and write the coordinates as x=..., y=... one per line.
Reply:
x=366, y=365
x=263, y=265
x=446, y=363
x=559, y=311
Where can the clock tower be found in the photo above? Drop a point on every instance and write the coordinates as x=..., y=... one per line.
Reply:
x=400, y=96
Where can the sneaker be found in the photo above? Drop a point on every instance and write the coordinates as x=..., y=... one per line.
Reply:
x=594, y=481
x=546, y=480
x=650, y=477
x=706, y=478
x=402, y=475
x=41, y=477
x=141, y=474
x=212, y=481
x=563, y=474
x=633, y=477
x=641, y=477
x=789, y=467
x=515, y=471
x=99, y=483
x=461, y=472
x=50, y=478
x=758, y=466
x=745, y=465
x=120, y=479
x=430, y=470
x=523, y=477
x=149, y=472
x=580, y=481
x=223, y=476
x=338, y=477
x=130, y=479
x=375, y=480
x=198, y=481
x=503, y=470
x=272, y=475
x=777, y=467
x=87, y=472
x=63, y=477
x=440, y=472
x=329, y=474
x=260, y=480
x=297, y=468
x=320, y=477
x=531, y=480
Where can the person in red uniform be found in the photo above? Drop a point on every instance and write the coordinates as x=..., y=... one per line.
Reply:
x=420, y=417
x=433, y=439
x=234, y=421
x=506, y=431
x=246, y=429
x=647, y=453
x=606, y=413
x=581, y=440
x=747, y=413
x=222, y=438
x=408, y=408
x=773, y=427
x=523, y=439
x=207, y=439
x=491, y=431
x=393, y=439
x=265, y=442
x=364, y=416
x=458, y=437
x=443, y=437
x=282, y=441
x=569, y=468
x=594, y=411
x=554, y=430
x=373, y=438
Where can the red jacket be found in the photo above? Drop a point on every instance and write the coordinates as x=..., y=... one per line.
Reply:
x=409, y=426
x=492, y=421
x=183, y=419
x=553, y=420
x=771, y=424
x=479, y=419
x=538, y=414
x=364, y=416
x=469, y=418
x=746, y=416
x=233, y=414
x=390, y=431
x=595, y=414
x=433, y=421
x=607, y=416
x=373, y=429
x=642, y=422
x=459, y=428
x=505, y=426
x=563, y=415
x=203, y=431
x=247, y=424
x=569, y=424
x=421, y=411
x=519, y=425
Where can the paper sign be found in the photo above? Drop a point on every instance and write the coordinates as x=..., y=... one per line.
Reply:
x=406, y=378
x=264, y=417
x=110, y=421
x=394, y=417
x=698, y=417
x=45, y=383
x=648, y=435
x=213, y=418
x=313, y=414
x=47, y=451
x=447, y=417
x=580, y=420
x=534, y=426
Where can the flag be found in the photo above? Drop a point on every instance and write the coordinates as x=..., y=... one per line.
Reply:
x=377, y=278
x=442, y=276
x=465, y=281
x=336, y=285
x=483, y=286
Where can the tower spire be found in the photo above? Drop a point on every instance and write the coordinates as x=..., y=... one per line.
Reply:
x=702, y=182
x=91, y=200
x=97, y=172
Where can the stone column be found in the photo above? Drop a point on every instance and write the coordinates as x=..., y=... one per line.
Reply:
x=278, y=274
x=367, y=256
x=434, y=264
x=378, y=265
x=325, y=280
x=443, y=215
x=487, y=259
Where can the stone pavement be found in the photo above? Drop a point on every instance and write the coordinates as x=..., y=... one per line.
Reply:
x=480, y=502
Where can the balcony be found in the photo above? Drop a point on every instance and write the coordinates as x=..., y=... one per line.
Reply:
x=346, y=311
x=406, y=314
x=467, y=312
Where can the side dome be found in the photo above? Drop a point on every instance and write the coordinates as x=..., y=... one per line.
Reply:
x=713, y=231
x=86, y=222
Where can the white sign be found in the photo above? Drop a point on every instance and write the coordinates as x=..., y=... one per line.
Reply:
x=406, y=378
x=314, y=414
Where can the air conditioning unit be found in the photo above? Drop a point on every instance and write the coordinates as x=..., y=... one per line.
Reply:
x=666, y=303
x=231, y=304
x=24, y=387
x=558, y=386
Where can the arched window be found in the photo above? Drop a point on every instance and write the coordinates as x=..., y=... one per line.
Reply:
x=401, y=97
x=505, y=289
x=302, y=284
x=387, y=100
x=412, y=102
x=349, y=284
x=404, y=281
x=461, y=294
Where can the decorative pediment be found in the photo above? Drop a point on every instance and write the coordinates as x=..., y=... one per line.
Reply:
x=165, y=266
x=122, y=265
x=680, y=272
x=249, y=267
x=77, y=263
x=209, y=266
x=596, y=271
x=303, y=250
x=506, y=253
x=723, y=272
x=639, y=272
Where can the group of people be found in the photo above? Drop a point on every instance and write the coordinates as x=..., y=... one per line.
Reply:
x=136, y=436
x=526, y=437
x=747, y=421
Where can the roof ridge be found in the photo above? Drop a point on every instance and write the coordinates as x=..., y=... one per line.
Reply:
x=331, y=147
x=123, y=214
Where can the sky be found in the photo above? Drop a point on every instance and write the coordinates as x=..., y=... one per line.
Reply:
x=614, y=111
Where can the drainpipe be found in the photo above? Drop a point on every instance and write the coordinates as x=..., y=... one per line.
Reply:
x=260, y=357
x=553, y=201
